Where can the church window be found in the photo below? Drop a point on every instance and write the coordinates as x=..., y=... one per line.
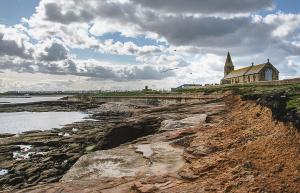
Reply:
x=268, y=74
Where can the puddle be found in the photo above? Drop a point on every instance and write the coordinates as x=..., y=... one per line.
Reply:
x=3, y=172
x=25, y=152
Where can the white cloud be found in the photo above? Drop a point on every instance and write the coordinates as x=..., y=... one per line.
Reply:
x=285, y=23
x=195, y=35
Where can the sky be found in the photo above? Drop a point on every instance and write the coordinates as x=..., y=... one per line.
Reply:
x=128, y=44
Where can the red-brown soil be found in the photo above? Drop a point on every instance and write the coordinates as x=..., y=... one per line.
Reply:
x=247, y=152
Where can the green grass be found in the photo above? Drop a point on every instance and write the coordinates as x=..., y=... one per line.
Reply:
x=294, y=103
x=292, y=91
x=246, y=88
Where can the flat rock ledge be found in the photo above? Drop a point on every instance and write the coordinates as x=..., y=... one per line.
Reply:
x=153, y=159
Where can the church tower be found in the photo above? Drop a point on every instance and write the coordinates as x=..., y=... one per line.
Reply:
x=229, y=67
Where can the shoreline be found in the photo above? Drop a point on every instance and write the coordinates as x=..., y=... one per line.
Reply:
x=238, y=148
x=53, y=152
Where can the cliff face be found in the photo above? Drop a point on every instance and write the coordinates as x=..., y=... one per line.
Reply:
x=240, y=148
x=248, y=152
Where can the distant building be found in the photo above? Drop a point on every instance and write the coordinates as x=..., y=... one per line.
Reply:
x=253, y=73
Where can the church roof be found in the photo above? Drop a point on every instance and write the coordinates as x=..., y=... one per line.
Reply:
x=255, y=69
x=228, y=62
x=239, y=72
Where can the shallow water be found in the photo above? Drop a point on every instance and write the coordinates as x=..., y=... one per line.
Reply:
x=18, y=122
x=3, y=172
x=4, y=100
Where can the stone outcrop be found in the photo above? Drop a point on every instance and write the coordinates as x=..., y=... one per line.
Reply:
x=52, y=153
x=242, y=149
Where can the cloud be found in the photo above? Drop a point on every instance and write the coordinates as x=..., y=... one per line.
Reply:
x=192, y=36
x=85, y=68
x=54, y=13
x=146, y=73
x=206, y=6
x=211, y=33
x=55, y=52
x=14, y=43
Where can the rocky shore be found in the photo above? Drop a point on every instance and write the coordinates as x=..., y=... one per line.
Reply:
x=41, y=157
x=222, y=144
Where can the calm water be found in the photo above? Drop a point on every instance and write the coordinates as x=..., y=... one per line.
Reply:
x=28, y=100
x=18, y=122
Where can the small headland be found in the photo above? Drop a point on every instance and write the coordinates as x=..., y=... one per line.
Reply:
x=236, y=138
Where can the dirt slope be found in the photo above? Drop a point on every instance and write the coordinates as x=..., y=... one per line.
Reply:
x=248, y=152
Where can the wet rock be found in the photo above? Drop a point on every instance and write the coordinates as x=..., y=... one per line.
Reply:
x=33, y=170
x=16, y=180
x=4, y=135
x=22, y=166
x=53, y=179
x=74, y=158
x=47, y=159
x=33, y=179
x=129, y=132
x=50, y=173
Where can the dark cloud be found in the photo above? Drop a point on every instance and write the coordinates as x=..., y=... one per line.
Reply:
x=55, y=52
x=146, y=73
x=54, y=13
x=71, y=66
x=100, y=72
x=11, y=48
x=206, y=6
x=181, y=30
x=212, y=34
x=95, y=72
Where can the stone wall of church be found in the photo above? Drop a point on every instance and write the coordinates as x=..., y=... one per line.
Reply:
x=253, y=78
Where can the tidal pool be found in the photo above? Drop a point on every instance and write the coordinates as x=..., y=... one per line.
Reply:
x=18, y=122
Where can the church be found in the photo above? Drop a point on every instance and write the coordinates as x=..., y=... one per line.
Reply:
x=253, y=73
